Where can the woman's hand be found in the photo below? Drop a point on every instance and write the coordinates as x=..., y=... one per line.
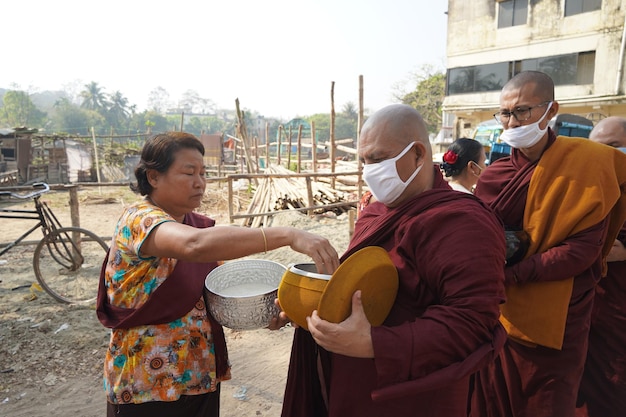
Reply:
x=318, y=248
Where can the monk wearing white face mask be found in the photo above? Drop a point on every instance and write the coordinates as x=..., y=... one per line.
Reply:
x=444, y=320
x=566, y=194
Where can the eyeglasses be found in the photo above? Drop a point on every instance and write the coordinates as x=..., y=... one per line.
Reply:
x=521, y=114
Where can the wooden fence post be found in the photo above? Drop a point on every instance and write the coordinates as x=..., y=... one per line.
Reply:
x=299, y=147
x=331, y=151
x=95, y=152
x=230, y=200
x=74, y=207
x=279, y=145
x=314, y=146
x=289, y=150
x=309, y=193
x=267, y=145
x=358, y=139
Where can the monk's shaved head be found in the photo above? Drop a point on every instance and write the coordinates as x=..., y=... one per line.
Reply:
x=389, y=132
x=610, y=131
x=541, y=84
x=397, y=123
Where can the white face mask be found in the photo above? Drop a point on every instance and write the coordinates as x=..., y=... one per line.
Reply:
x=383, y=179
x=525, y=136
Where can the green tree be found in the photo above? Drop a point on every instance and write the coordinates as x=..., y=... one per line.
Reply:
x=427, y=97
x=94, y=98
x=215, y=124
x=345, y=124
x=195, y=126
x=159, y=100
x=118, y=111
x=350, y=112
x=18, y=110
x=69, y=118
x=322, y=125
x=148, y=120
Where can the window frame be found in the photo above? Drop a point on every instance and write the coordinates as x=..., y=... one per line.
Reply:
x=513, y=16
x=575, y=7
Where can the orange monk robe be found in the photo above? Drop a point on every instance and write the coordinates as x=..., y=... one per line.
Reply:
x=563, y=199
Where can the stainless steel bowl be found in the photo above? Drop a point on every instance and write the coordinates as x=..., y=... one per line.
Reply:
x=241, y=294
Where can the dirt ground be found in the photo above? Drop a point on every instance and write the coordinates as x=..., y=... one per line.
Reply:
x=51, y=354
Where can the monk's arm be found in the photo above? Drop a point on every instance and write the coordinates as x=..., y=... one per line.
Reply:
x=568, y=259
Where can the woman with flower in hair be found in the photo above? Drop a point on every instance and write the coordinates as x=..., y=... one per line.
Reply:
x=463, y=163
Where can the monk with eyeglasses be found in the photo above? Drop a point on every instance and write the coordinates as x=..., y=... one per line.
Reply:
x=567, y=195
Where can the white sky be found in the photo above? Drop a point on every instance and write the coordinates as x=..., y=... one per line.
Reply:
x=278, y=57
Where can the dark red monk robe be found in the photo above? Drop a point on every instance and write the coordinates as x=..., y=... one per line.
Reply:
x=449, y=251
x=538, y=381
x=603, y=387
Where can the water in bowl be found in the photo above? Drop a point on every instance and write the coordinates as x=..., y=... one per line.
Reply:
x=247, y=290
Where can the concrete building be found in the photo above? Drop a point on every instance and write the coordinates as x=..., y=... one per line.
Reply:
x=579, y=43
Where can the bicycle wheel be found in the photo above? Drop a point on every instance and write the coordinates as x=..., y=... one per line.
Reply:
x=67, y=264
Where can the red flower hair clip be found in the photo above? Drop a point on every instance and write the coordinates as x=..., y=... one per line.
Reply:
x=450, y=157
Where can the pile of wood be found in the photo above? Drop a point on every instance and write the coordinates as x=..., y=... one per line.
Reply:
x=291, y=193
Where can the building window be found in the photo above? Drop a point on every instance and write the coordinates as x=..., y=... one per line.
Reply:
x=586, y=67
x=569, y=69
x=573, y=7
x=490, y=77
x=512, y=13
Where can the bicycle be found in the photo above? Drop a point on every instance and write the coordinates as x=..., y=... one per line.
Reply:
x=67, y=260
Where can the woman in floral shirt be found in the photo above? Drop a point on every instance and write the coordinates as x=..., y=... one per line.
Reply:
x=166, y=355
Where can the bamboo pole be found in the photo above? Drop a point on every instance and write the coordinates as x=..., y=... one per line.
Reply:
x=256, y=152
x=230, y=199
x=299, y=147
x=314, y=146
x=358, y=137
x=243, y=134
x=309, y=193
x=95, y=152
x=221, y=163
x=279, y=145
x=272, y=213
x=332, y=130
x=267, y=144
x=289, y=150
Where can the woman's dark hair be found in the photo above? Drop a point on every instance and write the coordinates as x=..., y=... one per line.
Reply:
x=459, y=153
x=158, y=153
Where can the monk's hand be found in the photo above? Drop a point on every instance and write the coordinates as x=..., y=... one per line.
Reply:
x=351, y=337
x=617, y=252
x=279, y=321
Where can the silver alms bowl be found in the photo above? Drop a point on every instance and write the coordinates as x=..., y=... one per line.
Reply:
x=241, y=294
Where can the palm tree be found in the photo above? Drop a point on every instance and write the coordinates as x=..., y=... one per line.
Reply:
x=349, y=111
x=93, y=98
x=118, y=111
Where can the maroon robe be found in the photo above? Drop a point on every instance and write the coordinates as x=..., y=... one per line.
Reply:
x=449, y=250
x=538, y=381
x=603, y=387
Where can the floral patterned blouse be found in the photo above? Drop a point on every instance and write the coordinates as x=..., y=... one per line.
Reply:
x=153, y=362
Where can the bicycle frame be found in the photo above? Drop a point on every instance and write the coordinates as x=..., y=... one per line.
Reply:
x=46, y=220
x=66, y=259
